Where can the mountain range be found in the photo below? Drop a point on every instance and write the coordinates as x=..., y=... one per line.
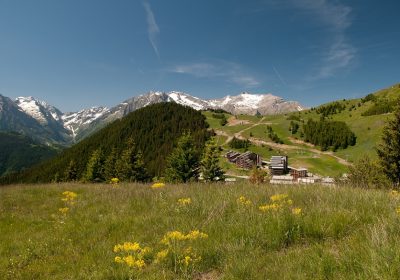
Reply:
x=47, y=124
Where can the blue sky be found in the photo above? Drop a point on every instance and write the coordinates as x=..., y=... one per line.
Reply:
x=76, y=54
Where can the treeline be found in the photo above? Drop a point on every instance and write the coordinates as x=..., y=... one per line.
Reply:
x=237, y=143
x=221, y=117
x=154, y=130
x=326, y=134
x=330, y=109
x=379, y=107
x=273, y=136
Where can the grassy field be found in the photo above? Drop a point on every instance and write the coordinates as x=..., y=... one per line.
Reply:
x=315, y=232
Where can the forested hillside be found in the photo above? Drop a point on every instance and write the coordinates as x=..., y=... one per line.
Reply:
x=154, y=129
x=18, y=152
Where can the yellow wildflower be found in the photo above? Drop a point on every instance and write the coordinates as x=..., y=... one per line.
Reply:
x=172, y=236
x=296, y=211
x=398, y=210
x=268, y=207
x=158, y=185
x=184, y=201
x=118, y=260
x=64, y=210
x=243, y=201
x=195, y=234
x=140, y=263
x=278, y=197
x=129, y=260
x=289, y=202
x=126, y=247
x=186, y=261
x=69, y=197
x=160, y=256
x=114, y=181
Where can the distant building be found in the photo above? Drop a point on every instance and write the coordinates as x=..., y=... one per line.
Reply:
x=298, y=173
x=282, y=179
x=278, y=165
x=247, y=160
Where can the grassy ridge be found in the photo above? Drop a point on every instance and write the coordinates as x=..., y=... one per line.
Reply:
x=368, y=130
x=341, y=233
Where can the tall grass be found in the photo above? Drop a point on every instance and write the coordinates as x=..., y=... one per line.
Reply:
x=341, y=233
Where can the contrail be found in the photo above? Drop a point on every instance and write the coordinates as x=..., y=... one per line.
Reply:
x=152, y=27
x=279, y=76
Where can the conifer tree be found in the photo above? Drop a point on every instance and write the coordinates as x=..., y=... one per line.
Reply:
x=130, y=165
x=71, y=174
x=389, y=148
x=109, y=165
x=210, y=167
x=139, y=171
x=94, y=167
x=124, y=164
x=183, y=163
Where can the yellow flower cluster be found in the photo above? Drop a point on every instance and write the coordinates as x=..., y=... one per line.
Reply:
x=131, y=261
x=158, y=185
x=69, y=197
x=296, y=211
x=242, y=200
x=278, y=197
x=173, y=236
x=189, y=258
x=279, y=201
x=184, y=201
x=114, y=181
x=268, y=207
x=126, y=247
x=135, y=257
x=63, y=210
x=160, y=256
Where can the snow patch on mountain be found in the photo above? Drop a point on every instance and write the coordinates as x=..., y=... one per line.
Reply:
x=74, y=121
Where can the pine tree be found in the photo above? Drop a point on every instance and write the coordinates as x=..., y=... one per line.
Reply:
x=130, y=165
x=139, y=171
x=124, y=164
x=94, y=168
x=389, y=148
x=183, y=163
x=71, y=174
x=109, y=165
x=210, y=163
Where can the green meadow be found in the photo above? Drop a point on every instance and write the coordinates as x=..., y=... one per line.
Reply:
x=222, y=231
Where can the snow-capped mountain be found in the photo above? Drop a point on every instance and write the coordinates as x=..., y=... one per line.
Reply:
x=76, y=122
x=39, y=110
x=247, y=103
x=44, y=121
x=38, y=125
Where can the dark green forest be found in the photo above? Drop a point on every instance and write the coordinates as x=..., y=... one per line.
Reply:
x=18, y=152
x=154, y=129
x=326, y=134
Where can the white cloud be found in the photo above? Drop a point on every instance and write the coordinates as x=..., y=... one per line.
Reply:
x=340, y=55
x=152, y=28
x=228, y=71
x=337, y=19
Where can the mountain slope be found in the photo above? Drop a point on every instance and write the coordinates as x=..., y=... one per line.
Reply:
x=12, y=118
x=154, y=128
x=18, y=152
